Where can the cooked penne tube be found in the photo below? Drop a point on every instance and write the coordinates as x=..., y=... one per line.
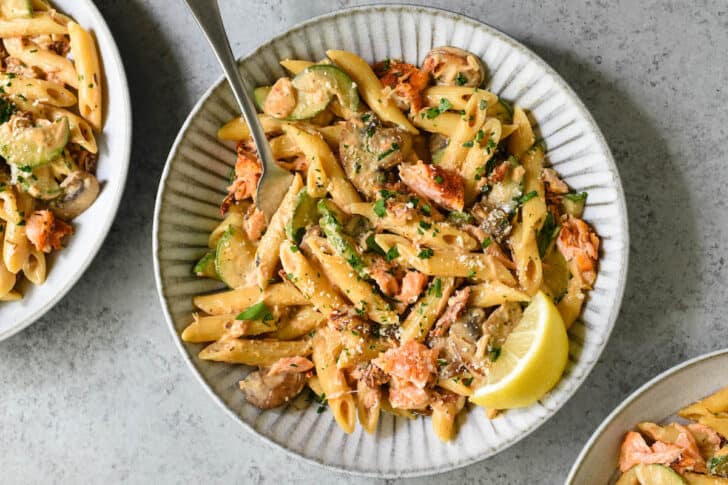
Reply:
x=12, y=295
x=41, y=23
x=471, y=121
x=354, y=288
x=316, y=289
x=266, y=256
x=235, y=301
x=88, y=68
x=476, y=160
x=16, y=246
x=254, y=352
x=214, y=327
x=316, y=179
x=429, y=233
x=7, y=278
x=326, y=346
x=444, y=123
x=232, y=219
x=522, y=138
x=456, y=96
x=368, y=406
x=314, y=148
x=494, y=293
x=443, y=417
x=533, y=211
x=34, y=267
x=49, y=62
x=237, y=129
x=283, y=147
x=524, y=249
x=81, y=131
x=427, y=309
x=455, y=386
x=370, y=88
x=476, y=266
x=305, y=320
x=295, y=66
x=37, y=89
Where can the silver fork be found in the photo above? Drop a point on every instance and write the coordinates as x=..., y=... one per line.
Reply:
x=275, y=181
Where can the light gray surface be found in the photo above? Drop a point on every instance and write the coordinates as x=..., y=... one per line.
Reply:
x=96, y=392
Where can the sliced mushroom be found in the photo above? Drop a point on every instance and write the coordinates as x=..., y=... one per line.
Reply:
x=368, y=149
x=80, y=190
x=267, y=391
x=451, y=66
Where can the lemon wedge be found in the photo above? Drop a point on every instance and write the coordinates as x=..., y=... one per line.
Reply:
x=531, y=361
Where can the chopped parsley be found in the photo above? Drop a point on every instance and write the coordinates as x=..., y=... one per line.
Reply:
x=467, y=381
x=483, y=104
x=425, y=253
x=549, y=231
x=460, y=79
x=526, y=197
x=494, y=353
x=426, y=209
x=425, y=225
x=392, y=253
x=471, y=274
x=460, y=217
x=259, y=311
x=487, y=242
x=576, y=197
x=438, y=179
x=436, y=288
x=380, y=208
x=386, y=153
x=479, y=135
x=373, y=246
x=7, y=108
x=434, y=112
x=441, y=362
x=468, y=144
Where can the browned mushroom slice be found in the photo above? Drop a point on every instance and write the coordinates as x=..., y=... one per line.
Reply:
x=266, y=391
x=451, y=66
x=80, y=190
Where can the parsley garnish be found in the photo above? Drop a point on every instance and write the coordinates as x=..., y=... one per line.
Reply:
x=425, y=225
x=426, y=253
x=494, y=353
x=438, y=179
x=373, y=246
x=483, y=104
x=468, y=144
x=379, y=208
x=259, y=311
x=460, y=79
x=526, y=197
x=426, y=210
x=486, y=243
x=468, y=380
x=7, y=109
x=434, y=112
x=549, y=231
x=386, y=153
x=576, y=197
x=392, y=254
x=436, y=288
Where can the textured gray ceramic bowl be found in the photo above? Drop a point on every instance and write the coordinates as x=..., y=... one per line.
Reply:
x=91, y=228
x=194, y=183
x=656, y=401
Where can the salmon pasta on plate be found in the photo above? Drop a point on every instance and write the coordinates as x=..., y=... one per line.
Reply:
x=426, y=263
x=53, y=109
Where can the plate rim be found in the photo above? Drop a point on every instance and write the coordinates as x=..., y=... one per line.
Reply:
x=123, y=158
x=572, y=96
x=633, y=397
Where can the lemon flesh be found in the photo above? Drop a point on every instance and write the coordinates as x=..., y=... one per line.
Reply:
x=531, y=361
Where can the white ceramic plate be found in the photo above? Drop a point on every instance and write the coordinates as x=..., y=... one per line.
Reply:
x=67, y=266
x=194, y=181
x=657, y=401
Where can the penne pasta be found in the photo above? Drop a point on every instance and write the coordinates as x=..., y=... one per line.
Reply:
x=88, y=68
x=237, y=129
x=49, y=62
x=235, y=301
x=34, y=268
x=266, y=256
x=494, y=293
x=37, y=89
x=41, y=23
x=301, y=323
x=456, y=96
x=326, y=346
x=294, y=66
x=471, y=121
x=427, y=309
x=254, y=352
x=370, y=88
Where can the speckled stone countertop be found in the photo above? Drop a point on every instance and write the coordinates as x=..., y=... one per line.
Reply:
x=96, y=392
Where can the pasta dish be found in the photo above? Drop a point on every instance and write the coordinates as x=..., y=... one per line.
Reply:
x=420, y=230
x=693, y=451
x=50, y=107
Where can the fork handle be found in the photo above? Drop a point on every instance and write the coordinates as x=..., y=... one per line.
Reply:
x=207, y=15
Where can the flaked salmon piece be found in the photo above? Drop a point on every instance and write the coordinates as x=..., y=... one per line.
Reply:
x=554, y=183
x=45, y=231
x=408, y=396
x=690, y=459
x=254, y=224
x=413, y=284
x=248, y=170
x=291, y=364
x=579, y=244
x=455, y=307
x=442, y=186
x=381, y=272
x=412, y=362
x=708, y=440
x=635, y=451
x=405, y=81
x=281, y=99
